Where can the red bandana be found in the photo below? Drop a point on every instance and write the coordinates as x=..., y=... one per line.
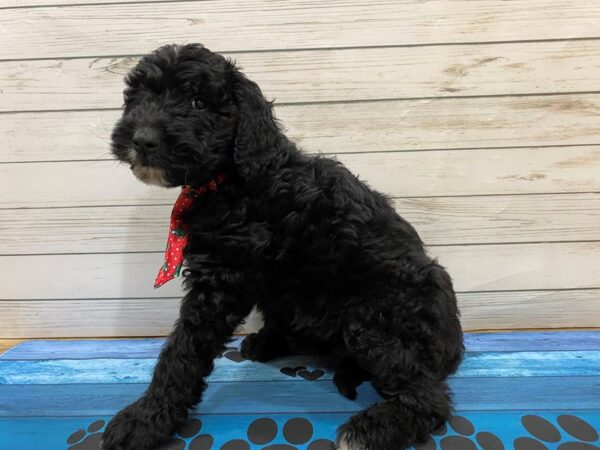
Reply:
x=178, y=236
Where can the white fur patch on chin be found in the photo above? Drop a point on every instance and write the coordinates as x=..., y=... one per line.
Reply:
x=150, y=175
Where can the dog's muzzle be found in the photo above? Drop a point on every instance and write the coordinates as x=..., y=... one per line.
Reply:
x=146, y=173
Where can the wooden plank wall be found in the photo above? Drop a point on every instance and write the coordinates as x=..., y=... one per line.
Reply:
x=481, y=119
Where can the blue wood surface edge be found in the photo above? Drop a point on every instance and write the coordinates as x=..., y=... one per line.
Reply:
x=148, y=348
x=489, y=364
x=470, y=394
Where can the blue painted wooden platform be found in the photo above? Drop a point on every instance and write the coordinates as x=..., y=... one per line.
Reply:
x=514, y=391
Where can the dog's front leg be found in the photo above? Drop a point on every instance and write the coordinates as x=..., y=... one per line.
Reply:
x=207, y=321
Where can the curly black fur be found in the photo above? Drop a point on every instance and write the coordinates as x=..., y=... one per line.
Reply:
x=326, y=259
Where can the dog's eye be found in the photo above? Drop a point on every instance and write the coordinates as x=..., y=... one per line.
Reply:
x=197, y=103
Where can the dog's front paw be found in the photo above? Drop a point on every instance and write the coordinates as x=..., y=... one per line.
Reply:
x=137, y=427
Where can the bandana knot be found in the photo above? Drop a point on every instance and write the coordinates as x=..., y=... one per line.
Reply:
x=178, y=230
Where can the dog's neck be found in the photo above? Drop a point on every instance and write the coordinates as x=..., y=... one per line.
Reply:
x=283, y=153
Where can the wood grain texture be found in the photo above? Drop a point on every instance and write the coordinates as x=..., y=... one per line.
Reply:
x=373, y=126
x=46, y=401
x=329, y=75
x=41, y=3
x=155, y=317
x=451, y=107
x=219, y=398
x=504, y=219
x=399, y=174
x=100, y=370
x=101, y=30
x=514, y=342
x=521, y=266
x=109, y=370
x=529, y=393
x=127, y=317
x=529, y=341
x=530, y=309
x=439, y=221
x=487, y=267
x=116, y=348
x=445, y=123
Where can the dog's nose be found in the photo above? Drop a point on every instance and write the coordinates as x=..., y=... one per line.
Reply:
x=146, y=139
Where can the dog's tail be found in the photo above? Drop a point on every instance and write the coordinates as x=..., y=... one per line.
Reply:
x=398, y=422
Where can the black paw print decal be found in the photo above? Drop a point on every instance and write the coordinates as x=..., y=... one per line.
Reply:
x=92, y=439
x=191, y=428
x=466, y=439
x=233, y=354
x=171, y=444
x=545, y=432
x=303, y=372
x=87, y=439
x=264, y=431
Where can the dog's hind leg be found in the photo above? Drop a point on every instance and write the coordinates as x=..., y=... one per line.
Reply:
x=399, y=421
x=410, y=342
x=415, y=400
x=207, y=321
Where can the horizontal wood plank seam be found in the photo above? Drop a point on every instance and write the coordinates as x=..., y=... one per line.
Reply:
x=497, y=291
x=349, y=102
x=125, y=2
x=393, y=197
x=411, y=197
x=297, y=49
x=333, y=154
x=474, y=244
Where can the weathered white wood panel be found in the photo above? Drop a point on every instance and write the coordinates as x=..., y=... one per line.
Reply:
x=446, y=123
x=95, y=317
x=473, y=267
x=155, y=316
x=445, y=220
x=430, y=101
x=443, y=123
x=530, y=309
x=400, y=174
x=56, y=136
x=339, y=74
x=521, y=266
x=261, y=24
x=111, y=275
x=39, y=185
x=102, y=317
x=38, y=3
x=504, y=219
x=84, y=230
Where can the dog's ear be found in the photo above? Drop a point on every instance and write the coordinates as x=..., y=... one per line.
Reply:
x=259, y=143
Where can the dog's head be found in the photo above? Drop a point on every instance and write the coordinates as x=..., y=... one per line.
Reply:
x=189, y=114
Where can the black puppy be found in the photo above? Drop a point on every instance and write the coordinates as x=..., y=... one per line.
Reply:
x=327, y=260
